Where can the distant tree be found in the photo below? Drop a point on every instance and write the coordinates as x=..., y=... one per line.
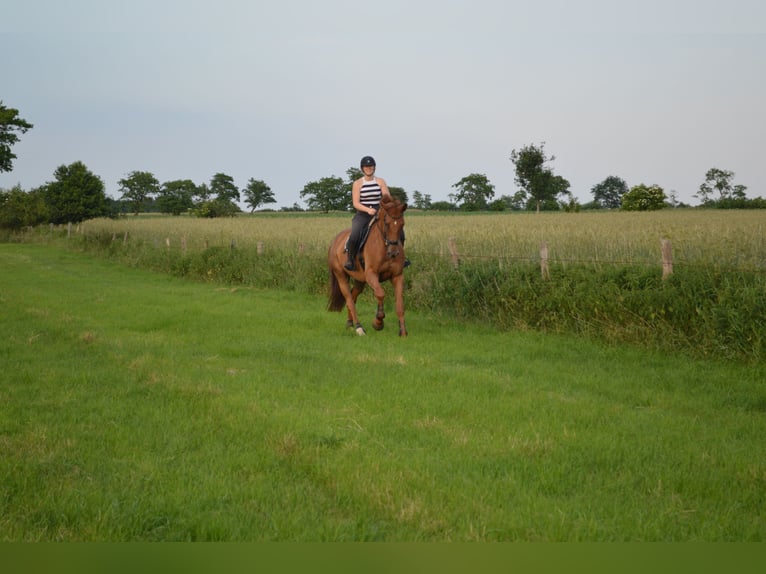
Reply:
x=353, y=173
x=257, y=193
x=474, y=191
x=539, y=186
x=10, y=122
x=222, y=187
x=177, y=196
x=609, y=192
x=644, y=198
x=19, y=209
x=327, y=194
x=75, y=195
x=443, y=206
x=719, y=181
x=137, y=188
x=421, y=200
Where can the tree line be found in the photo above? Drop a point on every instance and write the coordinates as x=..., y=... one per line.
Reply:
x=76, y=194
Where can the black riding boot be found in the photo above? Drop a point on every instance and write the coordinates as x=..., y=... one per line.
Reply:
x=351, y=250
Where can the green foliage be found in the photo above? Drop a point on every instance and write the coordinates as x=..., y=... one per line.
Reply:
x=474, y=192
x=539, y=186
x=176, y=197
x=421, y=200
x=223, y=188
x=644, y=198
x=257, y=193
x=138, y=188
x=609, y=193
x=327, y=194
x=75, y=195
x=216, y=208
x=19, y=209
x=10, y=123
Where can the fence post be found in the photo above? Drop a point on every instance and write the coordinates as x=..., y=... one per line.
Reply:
x=667, y=258
x=259, y=248
x=453, y=252
x=544, y=260
x=69, y=230
x=167, y=242
x=183, y=244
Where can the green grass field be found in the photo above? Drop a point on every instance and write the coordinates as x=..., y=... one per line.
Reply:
x=139, y=407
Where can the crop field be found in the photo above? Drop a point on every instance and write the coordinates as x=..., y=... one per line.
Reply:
x=138, y=406
x=717, y=238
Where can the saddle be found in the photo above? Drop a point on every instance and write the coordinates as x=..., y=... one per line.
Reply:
x=362, y=240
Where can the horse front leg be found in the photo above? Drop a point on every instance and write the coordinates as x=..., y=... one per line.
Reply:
x=380, y=295
x=398, y=282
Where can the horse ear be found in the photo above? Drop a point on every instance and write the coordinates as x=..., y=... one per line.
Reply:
x=404, y=207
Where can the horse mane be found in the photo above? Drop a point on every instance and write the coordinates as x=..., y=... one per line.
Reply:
x=387, y=202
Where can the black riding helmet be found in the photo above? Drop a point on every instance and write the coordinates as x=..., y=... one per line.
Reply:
x=367, y=161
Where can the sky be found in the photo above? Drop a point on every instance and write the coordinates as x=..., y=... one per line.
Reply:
x=291, y=91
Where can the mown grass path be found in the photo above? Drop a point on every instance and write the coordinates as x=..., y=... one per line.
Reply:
x=134, y=406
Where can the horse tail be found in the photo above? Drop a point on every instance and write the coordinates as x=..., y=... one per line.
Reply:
x=336, y=300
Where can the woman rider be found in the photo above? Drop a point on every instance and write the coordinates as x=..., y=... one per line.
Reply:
x=366, y=193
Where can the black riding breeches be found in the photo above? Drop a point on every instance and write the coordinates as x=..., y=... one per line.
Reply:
x=358, y=223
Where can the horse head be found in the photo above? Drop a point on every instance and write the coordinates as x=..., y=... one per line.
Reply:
x=391, y=224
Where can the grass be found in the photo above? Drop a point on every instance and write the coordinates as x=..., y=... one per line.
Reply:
x=135, y=406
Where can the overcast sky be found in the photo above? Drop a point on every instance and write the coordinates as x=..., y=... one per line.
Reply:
x=288, y=92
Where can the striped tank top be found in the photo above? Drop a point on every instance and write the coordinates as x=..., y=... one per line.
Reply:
x=370, y=193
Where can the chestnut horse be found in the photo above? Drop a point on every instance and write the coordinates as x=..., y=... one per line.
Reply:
x=380, y=259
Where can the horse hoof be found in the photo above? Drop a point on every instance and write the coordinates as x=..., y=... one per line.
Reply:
x=378, y=326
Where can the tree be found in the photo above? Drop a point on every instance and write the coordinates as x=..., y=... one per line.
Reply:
x=222, y=186
x=327, y=194
x=421, y=200
x=644, y=198
x=474, y=191
x=224, y=193
x=10, y=122
x=257, y=193
x=177, y=196
x=539, y=187
x=19, y=209
x=76, y=195
x=609, y=192
x=137, y=188
x=719, y=180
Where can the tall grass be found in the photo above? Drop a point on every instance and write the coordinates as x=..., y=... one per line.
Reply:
x=605, y=268
x=136, y=406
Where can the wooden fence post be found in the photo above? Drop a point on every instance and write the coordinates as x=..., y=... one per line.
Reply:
x=544, y=260
x=667, y=258
x=259, y=248
x=453, y=252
